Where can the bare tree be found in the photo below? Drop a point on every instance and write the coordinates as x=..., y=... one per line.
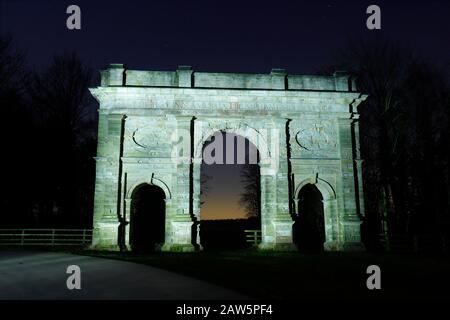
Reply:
x=205, y=186
x=61, y=96
x=13, y=75
x=399, y=133
x=251, y=197
x=65, y=116
x=15, y=129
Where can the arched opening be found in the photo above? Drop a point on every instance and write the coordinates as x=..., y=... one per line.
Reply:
x=230, y=192
x=147, y=221
x=309, y=227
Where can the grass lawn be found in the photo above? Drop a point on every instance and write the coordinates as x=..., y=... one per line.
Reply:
x=334, y=276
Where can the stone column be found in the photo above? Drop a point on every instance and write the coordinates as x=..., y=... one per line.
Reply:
x=196, y=180
x=127, y=217
x=171, y=213
x=180, y=238
x=106, y=201
x=197, y=158
x=268, y=207
x=276, y=219
x=350, y=222
x=332, y=241
x=358, y=165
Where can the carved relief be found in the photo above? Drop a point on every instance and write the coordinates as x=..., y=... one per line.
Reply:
x=151, y=139
x=318, y=138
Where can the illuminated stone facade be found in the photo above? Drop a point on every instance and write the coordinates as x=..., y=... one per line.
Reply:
x=152, y=126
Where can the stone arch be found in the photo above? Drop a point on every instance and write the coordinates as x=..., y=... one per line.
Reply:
x=327, y=190
x=204, y=231
x=152, y=181
x=240, y=129
x=329, y=207
x=147, y=217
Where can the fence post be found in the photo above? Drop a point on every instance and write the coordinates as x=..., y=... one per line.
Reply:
x=24, y=237
x=53, y=237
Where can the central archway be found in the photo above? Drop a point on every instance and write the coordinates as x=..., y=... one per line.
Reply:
x=230, y=192
x=147, y=221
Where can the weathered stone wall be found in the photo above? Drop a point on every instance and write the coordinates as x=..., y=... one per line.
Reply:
x=153, y=124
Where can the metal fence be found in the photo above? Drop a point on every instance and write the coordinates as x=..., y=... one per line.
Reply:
x=45, y=237
x=253, y=236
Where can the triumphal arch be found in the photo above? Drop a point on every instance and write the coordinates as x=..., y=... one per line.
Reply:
x=153, y=126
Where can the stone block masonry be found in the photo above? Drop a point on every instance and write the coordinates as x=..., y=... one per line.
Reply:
x=152, y=126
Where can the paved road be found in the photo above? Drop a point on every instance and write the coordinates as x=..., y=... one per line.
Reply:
x=42, y=275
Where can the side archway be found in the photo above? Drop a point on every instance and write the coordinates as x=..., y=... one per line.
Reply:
x=147, y=218
x=313, y=229
x=152, y=181
x=325, y=188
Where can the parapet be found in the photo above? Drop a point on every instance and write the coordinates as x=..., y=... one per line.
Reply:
x=185, y=77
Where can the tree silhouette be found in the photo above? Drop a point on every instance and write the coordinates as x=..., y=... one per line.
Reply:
x=17, y=133
x=403, y=129
x=251, y=197
x=65, y=116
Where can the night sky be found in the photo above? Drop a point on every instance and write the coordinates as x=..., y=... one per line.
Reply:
x=224, y=192
x=227, y=36
x=224, y=186
x=300, y=36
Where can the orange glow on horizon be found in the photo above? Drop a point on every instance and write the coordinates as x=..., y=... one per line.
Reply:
x=224, y=208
